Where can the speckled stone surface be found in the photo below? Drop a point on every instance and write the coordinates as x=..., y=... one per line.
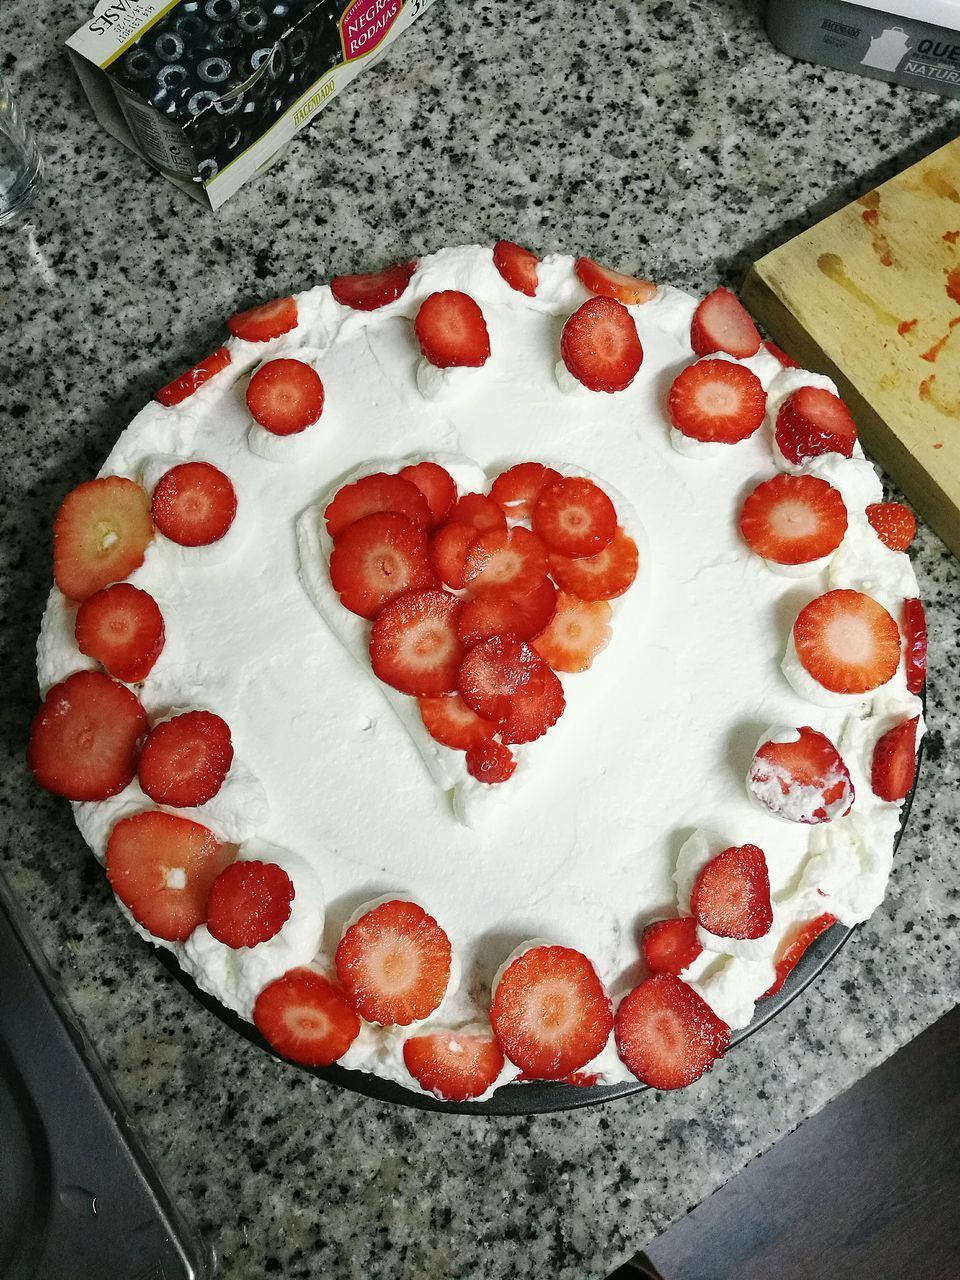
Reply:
x=666, y=137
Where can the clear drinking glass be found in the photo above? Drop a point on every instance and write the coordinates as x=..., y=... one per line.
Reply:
x=21, y=168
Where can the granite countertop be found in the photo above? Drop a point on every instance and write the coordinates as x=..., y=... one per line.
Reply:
x=665, y=137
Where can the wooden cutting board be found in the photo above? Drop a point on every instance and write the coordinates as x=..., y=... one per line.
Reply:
x=871, y=297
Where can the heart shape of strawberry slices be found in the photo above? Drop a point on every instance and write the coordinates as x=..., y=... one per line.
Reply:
x=479, y=608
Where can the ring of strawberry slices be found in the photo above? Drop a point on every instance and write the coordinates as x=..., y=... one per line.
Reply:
x=477, y=600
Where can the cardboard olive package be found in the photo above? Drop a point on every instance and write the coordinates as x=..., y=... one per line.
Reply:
x=210, y=91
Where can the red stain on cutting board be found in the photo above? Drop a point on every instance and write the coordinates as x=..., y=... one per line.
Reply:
x=871, y=220
x=951, y=237
x=953, y=284
x=938, y=346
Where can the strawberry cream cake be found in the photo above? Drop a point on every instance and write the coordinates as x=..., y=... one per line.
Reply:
x=488, y=669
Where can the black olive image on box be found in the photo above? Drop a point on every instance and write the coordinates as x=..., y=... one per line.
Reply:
x=224, y=72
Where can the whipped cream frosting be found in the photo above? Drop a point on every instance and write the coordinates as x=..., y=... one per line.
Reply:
x=644, y=773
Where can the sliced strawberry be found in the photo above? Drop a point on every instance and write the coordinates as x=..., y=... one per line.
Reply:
x=162, y=868
x=305, y=1018
x=505, y=681
x=847, y=642
x=913, y=623
x=613, y=284
x=448, y=552
x=479, y=511
x=184, y=761
x=414, y=646
x=731, y=895
x=122, y=628
x=550, y=1012
x=717, y=401
x=505, y=561
x=373, y=493
x=83, y=740
x=491, y=762
x=394, y=964
x=377, y=558
x=604, y=576
x=813, y=421
x=453, y=1065
x=100, y=534
x=670, y=946
x=450, y=721
x=517, y=266
x=667, y=1034
x=894, y=761
x=522, y=617
x=577, y=632
x=600, y=347
x=267, y=321
x=808, y=933
x=893, y=523
x=451, y=331
x=722, y=323
x=285, y=396
x=793, y=519
x=804, y=780
x=373, y=290
x=249, y=903
x=575, y=517
x=186, y=383
x=194, y=504
x=788, y=362
x=437, y=486
x=517, y=489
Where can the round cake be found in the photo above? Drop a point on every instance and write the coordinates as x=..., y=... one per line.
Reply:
x=487, y=669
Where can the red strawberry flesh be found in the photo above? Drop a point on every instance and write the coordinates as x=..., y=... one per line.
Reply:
x=793, y=519
x=378, y=558
x=788, y=960
x=453, y=1065
x=513, y=561
x=518, y=266
x=375, y=493
x=285, y=396
x=731, y=895
x=813, y=421
x=414, y=645
x=449, y=721
x=504, y=680
x=374, y=289
x=522, y=617
x=803, y=779
x=186, y=383
x=550, y=1013
x=194, y=504
x=914, y=626
x=574, y=517
x=578, y=631
x=670, y=946
x=491, y=762
x=185, y=760
x=604, y=576
x=267, y=321
x=722, y=323
x=305, y=1018
x=894, y=761
x=847, y=642
x=122, y=628
x=162, y=867
x=249, y=903
x=717, y=402
x=600, y=347
x=517, y=489
x=394, y=964
x=83, y=739
x=100, y=534
x=437, y=486
x=605, y=283
x=666, y=1034
x=893, y=523
x=451, y=330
